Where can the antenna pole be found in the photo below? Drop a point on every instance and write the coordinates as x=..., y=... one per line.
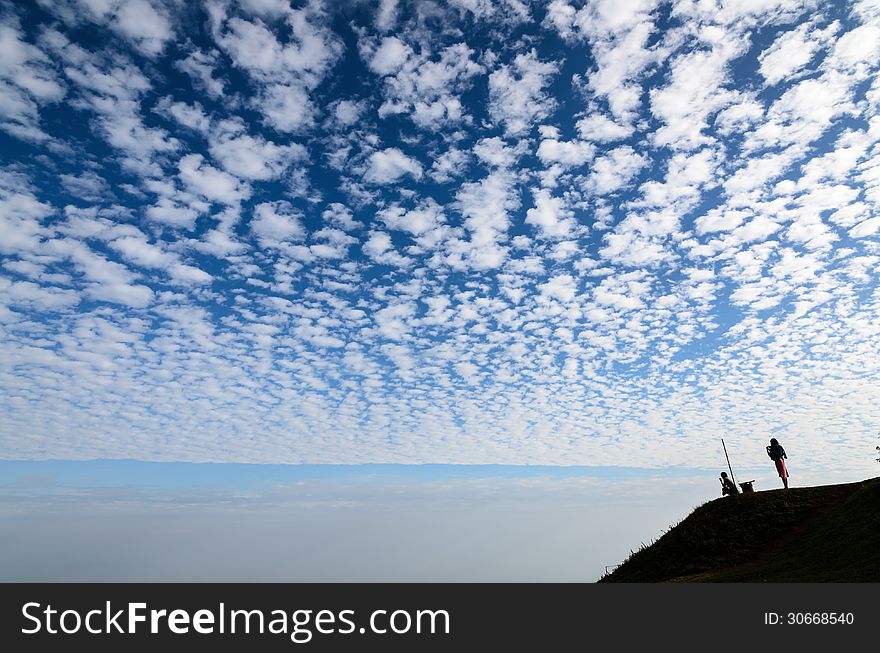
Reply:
x=728, y=461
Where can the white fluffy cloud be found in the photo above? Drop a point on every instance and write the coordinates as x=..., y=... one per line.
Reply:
x=426, y=87
x=517, y=96
x=416, y=221
x=486, y=207
x=390, y=56
x=792, y=51
x=550, y=216
x=615, y=169
x=696, y=90
x=283, y=69
x=568, y=153
x=27, y=81
x=601, y=129
x=252, y=157
x=287, y=107
x=618, y=35
x=209, y=182
x=140, y=252
x=201, y=66
x=143, y=23
x=381, y=250
x=276, y=222
x=389, y=165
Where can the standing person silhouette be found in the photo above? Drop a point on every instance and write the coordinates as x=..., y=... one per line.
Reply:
x=777, y=454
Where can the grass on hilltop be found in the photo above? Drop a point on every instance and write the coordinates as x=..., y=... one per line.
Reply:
x=810, y=534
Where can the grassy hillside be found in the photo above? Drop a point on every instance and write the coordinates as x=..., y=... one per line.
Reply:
x=825, y=533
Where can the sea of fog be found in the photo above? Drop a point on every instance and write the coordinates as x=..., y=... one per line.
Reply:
x=135, y=521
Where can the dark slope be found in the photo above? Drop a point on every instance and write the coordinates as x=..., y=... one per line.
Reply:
x=825, y=533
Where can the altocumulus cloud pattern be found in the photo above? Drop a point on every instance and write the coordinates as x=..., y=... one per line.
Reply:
x=480, y=231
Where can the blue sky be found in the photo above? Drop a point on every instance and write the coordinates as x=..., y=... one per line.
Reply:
x=593, y=234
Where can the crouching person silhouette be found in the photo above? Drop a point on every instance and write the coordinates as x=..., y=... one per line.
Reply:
x=727, y=486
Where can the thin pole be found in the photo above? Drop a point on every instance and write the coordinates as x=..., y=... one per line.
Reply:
x=728, y=461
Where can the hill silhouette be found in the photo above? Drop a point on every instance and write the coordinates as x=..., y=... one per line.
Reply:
x=824, y=533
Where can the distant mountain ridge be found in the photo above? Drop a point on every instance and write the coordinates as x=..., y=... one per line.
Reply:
x=827, y=533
